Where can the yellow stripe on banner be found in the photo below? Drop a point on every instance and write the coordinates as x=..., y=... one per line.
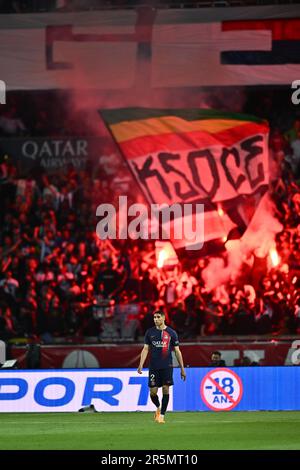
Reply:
x=128, y=130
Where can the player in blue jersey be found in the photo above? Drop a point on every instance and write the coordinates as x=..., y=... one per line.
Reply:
x=161, y=340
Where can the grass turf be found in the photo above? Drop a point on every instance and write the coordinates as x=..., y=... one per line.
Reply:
x=111, y=431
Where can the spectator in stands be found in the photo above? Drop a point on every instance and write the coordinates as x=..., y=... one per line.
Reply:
x=216, y=360
x=10, y=285
x=246, y=361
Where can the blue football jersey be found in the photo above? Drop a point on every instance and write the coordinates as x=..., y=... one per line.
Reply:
x=161, y=344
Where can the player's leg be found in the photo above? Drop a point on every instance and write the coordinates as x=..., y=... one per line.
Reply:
x=155, y=400
x=164, y=403
x=167, y=380
x=154, y=383
x=154, y=396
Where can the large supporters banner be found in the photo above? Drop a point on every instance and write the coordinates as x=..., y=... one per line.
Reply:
x=269, y=353
x=206, y=389
x=151, y=49
x=195, y=156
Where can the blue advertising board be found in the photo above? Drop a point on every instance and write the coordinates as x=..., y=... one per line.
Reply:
x=205, y=389
x=257, y=388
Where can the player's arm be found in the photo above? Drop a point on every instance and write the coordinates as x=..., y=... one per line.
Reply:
x=180, y=362
x=143, y=357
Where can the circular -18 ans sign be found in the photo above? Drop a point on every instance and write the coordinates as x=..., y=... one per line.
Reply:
x=221, y=389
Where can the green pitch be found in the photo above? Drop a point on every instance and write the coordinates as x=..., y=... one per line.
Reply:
x=111, y=431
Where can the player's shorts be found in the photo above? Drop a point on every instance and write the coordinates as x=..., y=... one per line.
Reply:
x=160, y=377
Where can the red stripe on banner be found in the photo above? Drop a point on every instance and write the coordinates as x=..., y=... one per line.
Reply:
x=286, y=29
x=195, y=354
x=166, y=341
x=140, y=146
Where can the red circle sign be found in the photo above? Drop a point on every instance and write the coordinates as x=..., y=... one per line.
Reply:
x=221, y=389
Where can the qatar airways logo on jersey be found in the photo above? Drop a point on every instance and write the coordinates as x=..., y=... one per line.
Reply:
x=160, y=344
x=2, y=92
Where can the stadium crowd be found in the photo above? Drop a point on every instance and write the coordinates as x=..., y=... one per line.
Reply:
x=59, y=280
